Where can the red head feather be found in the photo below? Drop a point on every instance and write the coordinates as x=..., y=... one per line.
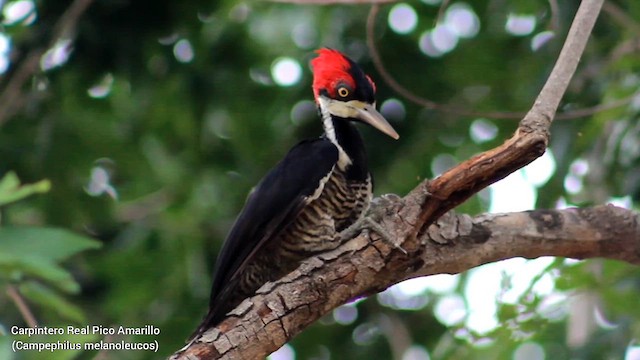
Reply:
x=329, y=69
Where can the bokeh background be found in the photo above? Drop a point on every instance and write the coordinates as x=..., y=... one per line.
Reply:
x=143, y=124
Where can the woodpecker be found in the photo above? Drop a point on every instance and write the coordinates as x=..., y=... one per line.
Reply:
x=321, y=188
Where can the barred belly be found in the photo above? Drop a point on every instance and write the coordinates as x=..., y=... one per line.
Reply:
x=316, y=229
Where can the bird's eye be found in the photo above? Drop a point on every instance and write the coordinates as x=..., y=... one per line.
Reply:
x=343, y=91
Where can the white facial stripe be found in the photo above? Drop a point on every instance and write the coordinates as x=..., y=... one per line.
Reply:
x=327, y=123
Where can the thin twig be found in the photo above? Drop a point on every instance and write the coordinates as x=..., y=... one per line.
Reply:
x=12, y=98
x=429, y=104
x=443, y=7
x=555, y=15
x=22, y=306
x=621, y=16
x=588, y=111
x=529, y=142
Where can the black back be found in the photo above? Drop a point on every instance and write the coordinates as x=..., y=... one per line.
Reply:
x=272, y=205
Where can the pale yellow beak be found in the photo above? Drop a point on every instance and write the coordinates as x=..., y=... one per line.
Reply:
x=362, y=111
x=371, y=116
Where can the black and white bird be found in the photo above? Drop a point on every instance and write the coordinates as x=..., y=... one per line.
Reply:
x=318, y=190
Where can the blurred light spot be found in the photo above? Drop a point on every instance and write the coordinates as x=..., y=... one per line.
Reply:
x=520, y=25
x=541, y=38
x=450, y=310
x=42, y=84
x=562, y=203
x=183, y=51
x=451, y=139
x=513, y=193
x=57, y=55
x=623, y=202
x=393, y=110
x=99, y=183
x=632, y=353
x=481, y=288
x=5, y=43
x=403, y=18
x=302, y=111
x=20, y=10
x=240, y=12
x=572, y=184
x=482, y=130
x=438, y=41
x=286, y=352
x=444, y=39
x=426, y=45
x=507, y=281
x=462, y=20
x=365, y=333
x=439, y=284
x=5, y=47
x=635, y=102
x=521, y=273
x=442, y=163
x=579, y=167
x=553, y=306
x=286, y=71
x=304, y=35
x=601, y=319
x=529, y=351
x=101, y=89
x=573, y=181
x=260, y=76
x=345, y=314
x=541, y=169
x=218, y=122
x=395, y=298
x=416, y=352
x=169, y=39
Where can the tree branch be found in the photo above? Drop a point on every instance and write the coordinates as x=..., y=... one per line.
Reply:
x=530, y=140
x=455, y=243
x=363, y=266
x=504, y=115
x=22, y=306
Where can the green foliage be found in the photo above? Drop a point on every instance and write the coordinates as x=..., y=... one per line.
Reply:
x=36, y=252
x=152, y=154
x=10, y=189
x=31, y=257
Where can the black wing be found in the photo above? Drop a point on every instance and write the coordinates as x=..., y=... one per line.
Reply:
x=273, y=204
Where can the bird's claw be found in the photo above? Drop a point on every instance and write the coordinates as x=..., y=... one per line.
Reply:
x=366, y=223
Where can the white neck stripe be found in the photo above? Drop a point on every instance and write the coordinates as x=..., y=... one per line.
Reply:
x=329, y=129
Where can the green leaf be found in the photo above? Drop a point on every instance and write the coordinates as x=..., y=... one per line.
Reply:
x=10, y=189
x=35, y=252
x=49, y=299
x=16, y=267
x=49, y=243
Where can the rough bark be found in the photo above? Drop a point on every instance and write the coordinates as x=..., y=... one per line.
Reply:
x=366, y=265
x=432, y=243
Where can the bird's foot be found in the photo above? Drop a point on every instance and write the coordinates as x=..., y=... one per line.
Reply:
x=367, y=223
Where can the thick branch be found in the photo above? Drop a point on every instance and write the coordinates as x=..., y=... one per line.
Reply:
x=282, y=309
x=455, y=243
x=530, y=140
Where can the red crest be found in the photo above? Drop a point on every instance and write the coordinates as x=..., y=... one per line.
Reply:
x=330, y=68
